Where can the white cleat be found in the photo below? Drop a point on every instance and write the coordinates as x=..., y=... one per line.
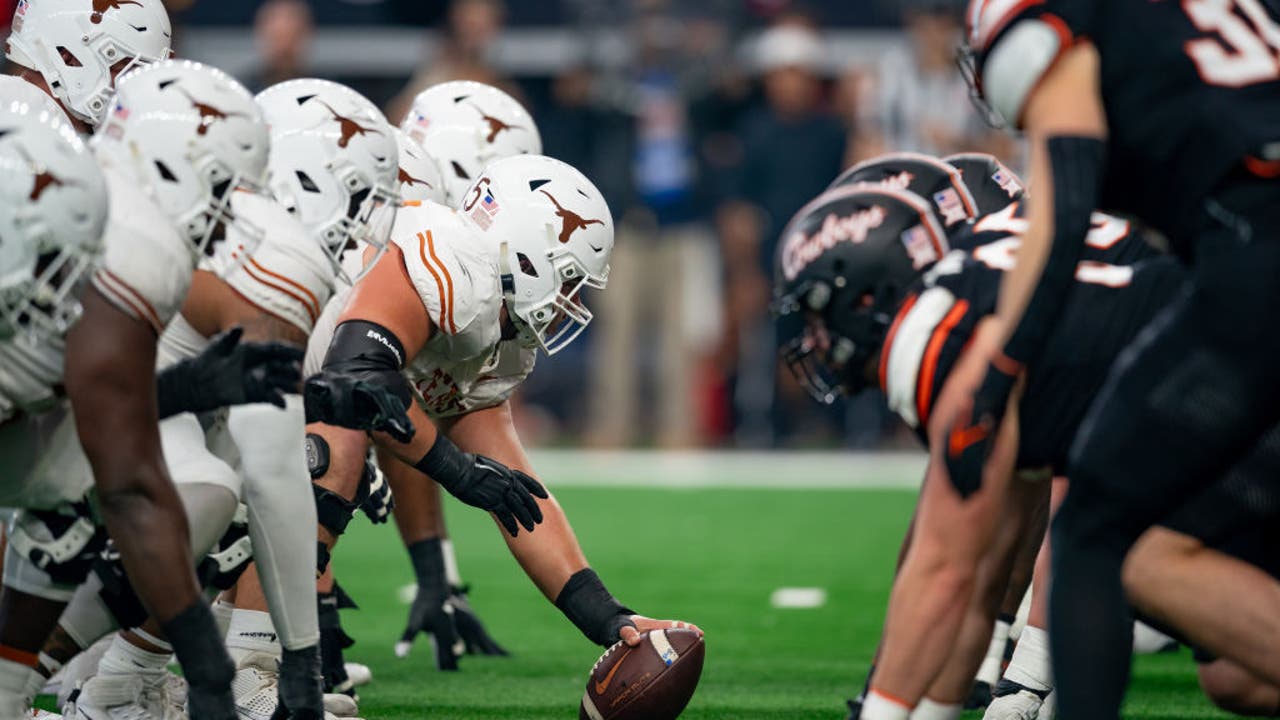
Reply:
x=341, y=706
x=256, y=687
x=402, y=649
x=38, y=714
x=358, y=674
x=126, y=697
x=78, y=670
x=1022, y=705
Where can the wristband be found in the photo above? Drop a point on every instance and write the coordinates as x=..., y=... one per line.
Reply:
x=592, y=609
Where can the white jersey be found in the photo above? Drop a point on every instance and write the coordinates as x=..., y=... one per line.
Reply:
x=287, y=276
x=146, y=264
x=466, y=365
x=145, y=271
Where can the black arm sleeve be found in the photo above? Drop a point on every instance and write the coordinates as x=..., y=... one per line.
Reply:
x=370, y=352
x=1076, y=165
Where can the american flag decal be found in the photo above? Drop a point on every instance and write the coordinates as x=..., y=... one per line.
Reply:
x=1007, y=182
x=919, y=247
x=952, y=207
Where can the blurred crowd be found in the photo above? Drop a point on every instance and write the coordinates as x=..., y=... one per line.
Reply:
x=720, y=121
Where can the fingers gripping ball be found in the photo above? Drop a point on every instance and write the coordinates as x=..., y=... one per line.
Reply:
x=653, y=680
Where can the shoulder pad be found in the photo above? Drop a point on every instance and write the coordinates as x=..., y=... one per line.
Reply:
x=1017, y=41
x=288, y=275
x=453, y=268
x=146, y=265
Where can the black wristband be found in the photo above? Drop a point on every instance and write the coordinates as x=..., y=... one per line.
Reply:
x=592, y=608
x=444, y=463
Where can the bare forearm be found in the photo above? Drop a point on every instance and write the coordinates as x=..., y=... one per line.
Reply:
x=551, y=554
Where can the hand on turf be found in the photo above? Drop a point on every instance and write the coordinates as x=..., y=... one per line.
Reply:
x=641, y=624
x=470, y=629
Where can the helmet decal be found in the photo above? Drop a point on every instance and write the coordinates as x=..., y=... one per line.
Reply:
x=571, y=221
x=208, y=113
x=496, y=125
x=100, y=8
x=350, y=128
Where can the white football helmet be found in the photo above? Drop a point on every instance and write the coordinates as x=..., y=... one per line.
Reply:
x=554, y=235
x=81, y=46
x=466, y=125
x=53, y=205
x=334, y=164
x=16, y=91
x=191, y=135
x=419, y=175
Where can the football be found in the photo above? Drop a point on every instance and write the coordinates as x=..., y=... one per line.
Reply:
x=651, y=681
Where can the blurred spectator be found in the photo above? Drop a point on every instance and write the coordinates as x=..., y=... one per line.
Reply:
x=465, y=54
x=282, y=31
x=792, y=148
x=664, y=277
x=919, y=102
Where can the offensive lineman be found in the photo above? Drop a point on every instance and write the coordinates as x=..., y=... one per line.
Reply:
x=110, y=357
x=529, y=236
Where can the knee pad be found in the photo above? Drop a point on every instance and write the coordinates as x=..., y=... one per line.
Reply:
x=230, y=557
x=117, y=592
x=317, y=456
x=62, y=543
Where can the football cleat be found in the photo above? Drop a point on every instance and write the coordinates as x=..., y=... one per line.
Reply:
x=358, y=675
x=979, y=696
x=1014, y=701
x=257, y=691
x=127, y=697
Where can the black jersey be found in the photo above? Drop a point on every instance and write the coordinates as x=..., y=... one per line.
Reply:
x=1191, y=89
x=1111, y=240
x=1106, y=309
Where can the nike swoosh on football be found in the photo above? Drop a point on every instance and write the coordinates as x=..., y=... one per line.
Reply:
x=602, y=685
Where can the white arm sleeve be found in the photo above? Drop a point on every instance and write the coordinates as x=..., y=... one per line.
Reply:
x=278, y=486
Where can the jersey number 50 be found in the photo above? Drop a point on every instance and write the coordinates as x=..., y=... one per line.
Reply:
x=1249, y=44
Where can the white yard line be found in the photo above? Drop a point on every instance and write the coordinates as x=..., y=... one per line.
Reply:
x=729, y=469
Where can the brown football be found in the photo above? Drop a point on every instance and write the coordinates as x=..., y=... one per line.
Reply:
x=651, y=681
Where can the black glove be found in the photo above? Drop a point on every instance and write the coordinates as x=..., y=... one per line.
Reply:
x=230, y=372
x=432, y=615
x=379, y=503
x=470, y=629
x=973, y=434
x=345, y=401
x=485, y=483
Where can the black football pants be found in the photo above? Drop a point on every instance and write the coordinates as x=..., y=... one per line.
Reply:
x=1186, y=402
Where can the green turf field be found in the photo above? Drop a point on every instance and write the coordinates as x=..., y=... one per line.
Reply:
x=712, y=556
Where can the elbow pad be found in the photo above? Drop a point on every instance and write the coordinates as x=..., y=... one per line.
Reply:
x=367, y=351
x=1076, y=164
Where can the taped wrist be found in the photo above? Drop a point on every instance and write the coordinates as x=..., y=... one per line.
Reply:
x=445, y=463
x=1076, y=164
x=200, y=649
x=592, y=609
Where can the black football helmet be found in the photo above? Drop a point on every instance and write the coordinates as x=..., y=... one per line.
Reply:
x=843, y=267
x=993, y=186
x=937, y=182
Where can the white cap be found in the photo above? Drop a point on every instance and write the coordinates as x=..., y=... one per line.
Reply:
x=789, y=46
